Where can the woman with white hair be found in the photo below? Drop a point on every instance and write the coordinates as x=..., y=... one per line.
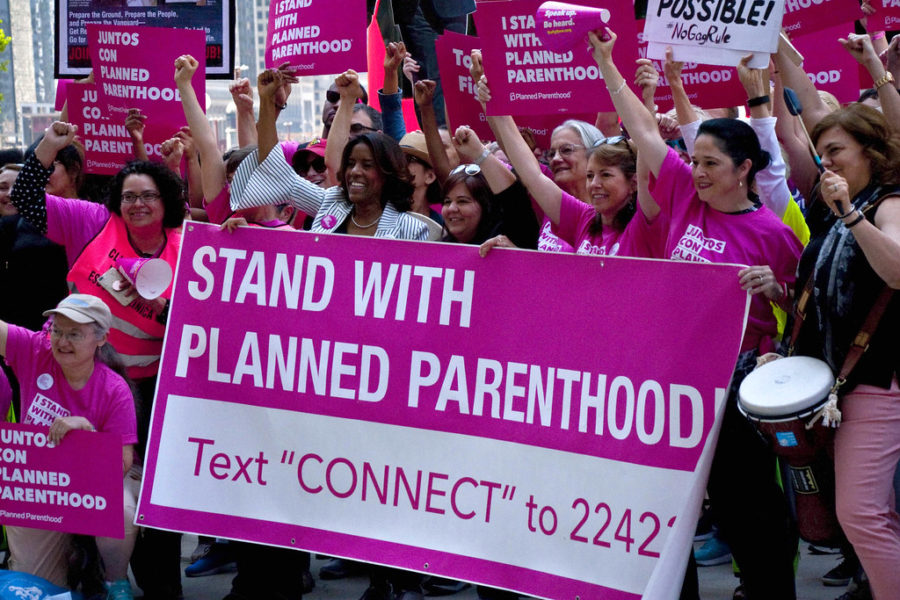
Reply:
x=68, y=382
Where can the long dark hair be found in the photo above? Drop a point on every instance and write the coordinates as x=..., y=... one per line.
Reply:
x=737, y=140
x=389, y=157
x=170, y=186
x=481, y=192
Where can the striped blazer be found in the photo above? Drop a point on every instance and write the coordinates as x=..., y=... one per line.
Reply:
x=275, y=182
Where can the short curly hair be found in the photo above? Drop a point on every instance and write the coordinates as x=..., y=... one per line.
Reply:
x=170, y=186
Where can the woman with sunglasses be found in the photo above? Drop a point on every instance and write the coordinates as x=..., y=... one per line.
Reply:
x=372, y=196
x=483, y=199
x=712, y=216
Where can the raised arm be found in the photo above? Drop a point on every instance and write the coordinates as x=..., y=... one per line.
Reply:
x=861, y=49
x=794, y=77
x=242, y=95
x=134, y=125
x=641, y=125
x=684, y=110
x=28, y=194
x=471, y=150
x=212, y=167
x=348, y=87
x=274, y=86
x=543, y=189
x=390, y=96
x=424, y=95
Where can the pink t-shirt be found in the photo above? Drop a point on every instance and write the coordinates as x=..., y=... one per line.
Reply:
x=575, y=219
x=106, y=400
x=74, y=223
x=699, y=233
x=218, y=209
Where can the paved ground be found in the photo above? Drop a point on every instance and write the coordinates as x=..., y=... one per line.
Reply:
x=716, y=583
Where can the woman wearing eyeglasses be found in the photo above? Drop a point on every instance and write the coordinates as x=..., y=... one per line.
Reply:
x=142, y=218
x=70, y=381
x=372, y=196
x=711, y=215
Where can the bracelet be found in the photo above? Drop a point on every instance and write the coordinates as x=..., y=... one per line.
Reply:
x=482, y=157
x=758, y=101
x=887, y=78
x=618, y=89
x=280, y=106
x=856, y=221
x=878, y=35
x=848, y=213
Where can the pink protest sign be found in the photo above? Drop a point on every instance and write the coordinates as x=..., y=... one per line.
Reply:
x=75, y=487
x=107, y=145
x=707, y=86
x=886, y=17
x=62, y=85
x=542, y=126
x=828, y=65
x=454, y=57
x=307, y=34
x=802, y=17
x=134, y=68
x=360, y=397
x=528, y=79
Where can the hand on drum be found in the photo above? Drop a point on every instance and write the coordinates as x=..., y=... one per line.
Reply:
x=761, y=280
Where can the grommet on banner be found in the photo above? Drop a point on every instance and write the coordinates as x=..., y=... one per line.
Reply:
x=293, y=541
x=425, y=566
x=141, y=518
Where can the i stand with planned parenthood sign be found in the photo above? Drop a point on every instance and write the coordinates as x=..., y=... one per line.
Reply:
x=214, y=17
x=361, y=398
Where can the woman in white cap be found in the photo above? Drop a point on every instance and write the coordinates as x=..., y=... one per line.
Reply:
x=69, y=381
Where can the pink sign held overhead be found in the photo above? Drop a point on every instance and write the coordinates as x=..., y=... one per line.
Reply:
x=454, y=58
x=828, y=65
x=527, y=78
x=314, y=38
x=75, y=487
x=886, y=17
x=107, y=144
x=563, y=26
x=297, y=432
x=803, y=17
x=134, y=68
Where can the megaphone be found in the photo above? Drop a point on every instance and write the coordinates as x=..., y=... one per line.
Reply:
x=150, y=276
x=562, y=26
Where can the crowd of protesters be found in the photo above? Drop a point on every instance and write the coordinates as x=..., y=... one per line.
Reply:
x=632, y=184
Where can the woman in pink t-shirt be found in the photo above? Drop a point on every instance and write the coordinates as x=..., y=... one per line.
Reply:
x=712, y=216
x=66, y=385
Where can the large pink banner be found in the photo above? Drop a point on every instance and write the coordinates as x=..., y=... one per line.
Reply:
x=807, y=16
x=827, y=64
x=413, y=404
x=134, y=67
x=75, y=487
x=527, y=79
x=315, y=38
x=107, y=144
